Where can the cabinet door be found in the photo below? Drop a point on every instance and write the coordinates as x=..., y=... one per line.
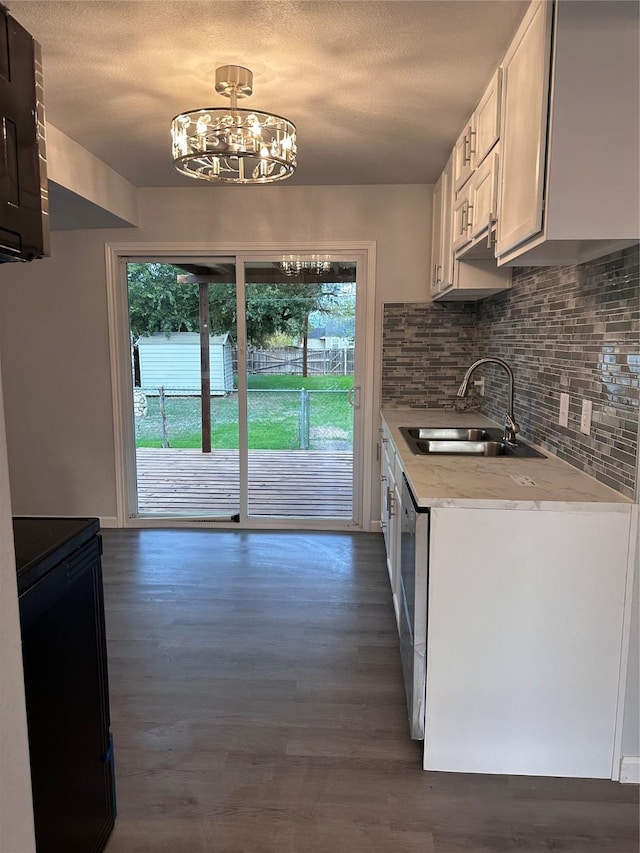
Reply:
x=388, y=513
x=486, y=122
x=384, y=488
x=436, y=238
x=394, y=570
x=483, y=197
x=525, y=91
x=66, y=688
x=522, y=667
x=392, y=552
x=461, y=231
x=462, y=158
x=441, y=249
x=24, y=232
x=446, y=252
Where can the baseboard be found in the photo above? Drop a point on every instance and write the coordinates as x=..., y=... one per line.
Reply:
x=108, y=521
x=630, y=769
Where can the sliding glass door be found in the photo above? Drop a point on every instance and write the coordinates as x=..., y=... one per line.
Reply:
x=301, y=327
x=244, y=388
x=185, y=402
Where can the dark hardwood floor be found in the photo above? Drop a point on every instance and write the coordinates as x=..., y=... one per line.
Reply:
x=257, y=707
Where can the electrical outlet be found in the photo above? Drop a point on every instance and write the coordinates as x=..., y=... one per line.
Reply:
x=585, y=420
x=479, y=384
x=563, y=416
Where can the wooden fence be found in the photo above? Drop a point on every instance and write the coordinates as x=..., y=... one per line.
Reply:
x=336, y=362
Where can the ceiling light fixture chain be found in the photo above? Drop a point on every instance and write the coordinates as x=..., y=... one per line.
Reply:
x=234, y=145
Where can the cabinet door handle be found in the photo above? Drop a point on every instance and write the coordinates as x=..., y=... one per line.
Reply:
x=467, y=150
x=463, y=218
x=436, y=274
x=491, y=236
x=390, y=508
x=469, y=220
x=472, y=150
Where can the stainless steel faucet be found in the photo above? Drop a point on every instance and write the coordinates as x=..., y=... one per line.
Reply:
x=511, y=427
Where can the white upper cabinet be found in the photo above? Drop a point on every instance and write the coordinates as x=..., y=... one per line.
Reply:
x=474, y=212
x=486, y=122
x=441, y=249
x=461, y=218
x=462, y=158
x=525, y=86
x=569, y=164
x=436, y=238
x=474, y=277
x=483, y=198
x=480, y=134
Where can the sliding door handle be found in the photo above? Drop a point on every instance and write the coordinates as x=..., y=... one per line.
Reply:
x=353, y=396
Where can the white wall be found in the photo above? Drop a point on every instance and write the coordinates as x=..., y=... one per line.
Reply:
x=16, y=814
x=53, y=316
x=89, y=184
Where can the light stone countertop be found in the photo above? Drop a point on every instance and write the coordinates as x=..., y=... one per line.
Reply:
x=493, y=482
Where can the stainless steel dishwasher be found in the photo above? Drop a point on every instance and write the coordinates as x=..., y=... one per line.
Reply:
x=413, y=601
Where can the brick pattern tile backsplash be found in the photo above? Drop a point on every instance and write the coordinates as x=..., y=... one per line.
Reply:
x=426, y=349
x=573, y=329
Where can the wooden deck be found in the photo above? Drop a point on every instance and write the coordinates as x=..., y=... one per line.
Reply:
x=308, y=483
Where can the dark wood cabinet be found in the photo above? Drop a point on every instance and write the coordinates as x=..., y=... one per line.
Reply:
x=24, y=219
x=66, y=683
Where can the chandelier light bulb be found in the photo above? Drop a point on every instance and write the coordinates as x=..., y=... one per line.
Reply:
x=233, y=145
x=295, y=265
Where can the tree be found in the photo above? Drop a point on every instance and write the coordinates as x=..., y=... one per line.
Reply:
x=158, y=303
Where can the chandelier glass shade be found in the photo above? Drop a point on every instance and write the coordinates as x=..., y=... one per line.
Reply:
x=232, y=145
x=294, y=265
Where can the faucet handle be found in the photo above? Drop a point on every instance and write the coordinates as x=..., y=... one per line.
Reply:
x=510, y=422
x=511, y=428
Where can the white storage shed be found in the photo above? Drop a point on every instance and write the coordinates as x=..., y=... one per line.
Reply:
x=174, y=363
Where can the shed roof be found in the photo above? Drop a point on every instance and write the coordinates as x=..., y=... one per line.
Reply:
x=182, y=338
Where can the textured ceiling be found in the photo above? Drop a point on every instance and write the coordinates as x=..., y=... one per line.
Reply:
x=378, y=90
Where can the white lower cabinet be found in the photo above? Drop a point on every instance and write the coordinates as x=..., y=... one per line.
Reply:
x=525, y=627
x=385, y=471
x=391, y=512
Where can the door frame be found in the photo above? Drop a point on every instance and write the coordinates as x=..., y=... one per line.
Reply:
x=117, y=255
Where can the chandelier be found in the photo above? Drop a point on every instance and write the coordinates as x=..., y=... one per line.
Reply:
x=232, y=145
x=293, y=265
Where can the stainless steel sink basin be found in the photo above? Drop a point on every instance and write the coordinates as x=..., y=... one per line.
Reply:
x=471, y=448
x=467, y=441
x=448, y=433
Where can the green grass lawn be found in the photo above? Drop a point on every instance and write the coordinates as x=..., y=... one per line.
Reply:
x=309, y=383
x=273, y=416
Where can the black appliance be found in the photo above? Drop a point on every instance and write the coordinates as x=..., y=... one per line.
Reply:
x=65, y=670
x=24, y=190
